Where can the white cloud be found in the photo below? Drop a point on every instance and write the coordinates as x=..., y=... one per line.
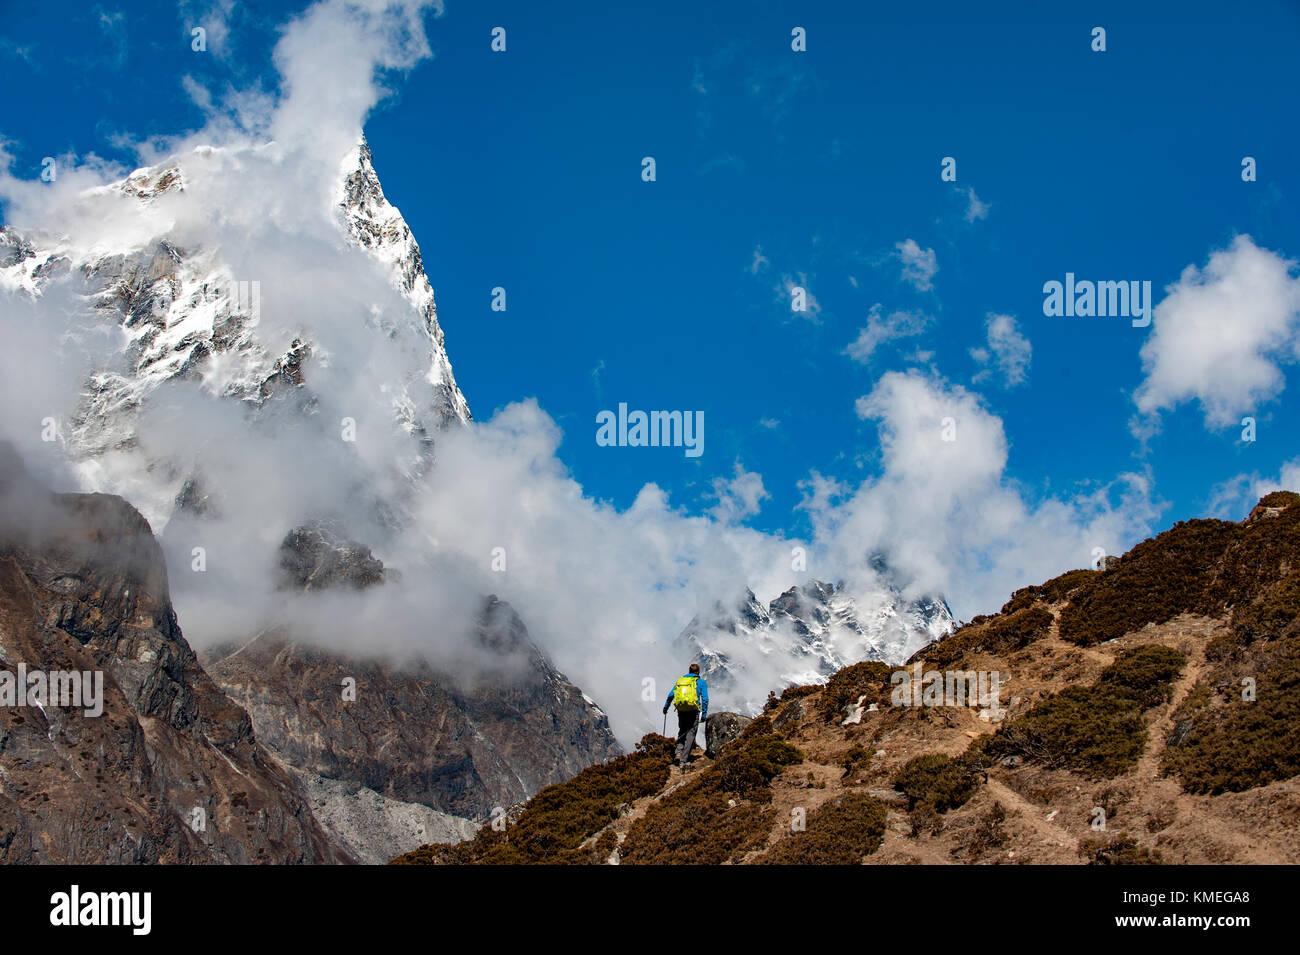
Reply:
x=113, y=29
x=332, y=60
x=199, y=95
x=1008, y=352
x=1233, y=499
x=947, y=513
x=919, y=265
x=785, y=295
x=975, y=209
x=882, y=328
x=739, y=496
x=214, y=16
x=1222, y=336
x=784, y=287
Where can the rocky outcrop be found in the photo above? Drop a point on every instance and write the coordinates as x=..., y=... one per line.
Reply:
x=317, y=556
x=720, y=729
x=170, y=770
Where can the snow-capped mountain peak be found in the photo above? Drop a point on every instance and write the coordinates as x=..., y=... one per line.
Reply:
x=805, y=635
x=162, y=277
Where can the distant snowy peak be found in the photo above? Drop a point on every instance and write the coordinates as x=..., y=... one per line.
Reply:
x=806, y=634
x=182, y=312
x=376, y=225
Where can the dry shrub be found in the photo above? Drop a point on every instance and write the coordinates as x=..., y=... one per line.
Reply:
x=869, y=678
x=1223, y=743
x=720, y=815
x=1096, y=730
x=1001, y=633
x=1156, y=581
x=1053, y=591
x=839, y=832
x=1121, y=849
x=988, y=834
x=938, y=782
x=854, y=760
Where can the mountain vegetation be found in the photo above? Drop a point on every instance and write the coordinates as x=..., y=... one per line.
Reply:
x=1145, y=718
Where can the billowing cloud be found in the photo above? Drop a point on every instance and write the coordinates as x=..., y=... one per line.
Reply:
x=739, y=496
x=945, y=510
x=1222, y=336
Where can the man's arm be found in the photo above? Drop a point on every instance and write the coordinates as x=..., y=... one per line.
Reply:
x=704, y=697
x=669, y=702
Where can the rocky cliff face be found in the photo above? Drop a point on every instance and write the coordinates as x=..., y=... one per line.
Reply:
x=171, y=770
x=376, y=225
x=459, y=743
x=398, y=754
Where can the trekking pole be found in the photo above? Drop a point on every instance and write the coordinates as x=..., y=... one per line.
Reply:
x=665, y=724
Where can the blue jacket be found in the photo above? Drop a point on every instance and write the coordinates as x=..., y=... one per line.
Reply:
x=701, y=687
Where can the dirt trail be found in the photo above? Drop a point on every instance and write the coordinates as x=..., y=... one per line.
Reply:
x=1191, y=638
x=1047, y=832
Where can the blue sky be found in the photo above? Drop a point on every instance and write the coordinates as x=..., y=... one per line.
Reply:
x=522, y=170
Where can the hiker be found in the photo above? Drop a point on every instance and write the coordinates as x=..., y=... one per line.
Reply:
x=691, y=697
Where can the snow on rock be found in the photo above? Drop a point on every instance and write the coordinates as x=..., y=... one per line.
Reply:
x=176, y=311
x=805, y=635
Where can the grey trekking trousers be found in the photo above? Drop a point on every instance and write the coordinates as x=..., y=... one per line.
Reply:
x=687, y=723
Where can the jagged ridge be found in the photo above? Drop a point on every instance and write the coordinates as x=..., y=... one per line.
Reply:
x=808, y=633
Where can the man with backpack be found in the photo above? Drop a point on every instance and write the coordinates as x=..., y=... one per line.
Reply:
x=691, y=697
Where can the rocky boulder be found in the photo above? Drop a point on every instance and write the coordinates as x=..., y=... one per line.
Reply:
x=317, y=556
x=720, y=729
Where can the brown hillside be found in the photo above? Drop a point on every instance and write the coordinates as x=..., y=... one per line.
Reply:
x=1157, y=698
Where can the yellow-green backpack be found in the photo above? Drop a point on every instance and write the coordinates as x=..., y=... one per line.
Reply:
x=685, y=694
